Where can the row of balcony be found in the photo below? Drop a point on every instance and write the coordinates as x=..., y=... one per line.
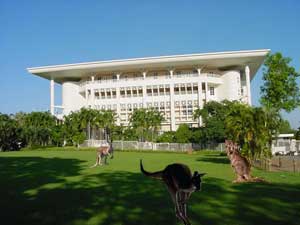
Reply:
x=160, y=77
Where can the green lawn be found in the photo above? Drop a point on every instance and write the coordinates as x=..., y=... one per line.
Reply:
x=58, y=187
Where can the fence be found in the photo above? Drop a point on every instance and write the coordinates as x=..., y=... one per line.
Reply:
x=285, y=146
x=279, y=163
x=129, y=145
x=124, y=145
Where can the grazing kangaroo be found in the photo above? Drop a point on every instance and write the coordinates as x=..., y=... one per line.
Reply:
x=180, y=184
x=103, y=152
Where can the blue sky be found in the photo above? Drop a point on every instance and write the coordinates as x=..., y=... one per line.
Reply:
x=40, y=33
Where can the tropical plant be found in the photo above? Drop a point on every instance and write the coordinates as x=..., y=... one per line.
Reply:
x=37, y=128
x=73, y=129
x=285, y=127
x=10, y=134
x=168, y=136
x=183, y=134
x=146, y=122
x=213, y=116
x=106, y=119
x=252, y=128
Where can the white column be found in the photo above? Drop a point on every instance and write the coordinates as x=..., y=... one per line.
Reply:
x=144, y=90
x=86, y=97
x=118, y=105
x=206, y=89
x=173, y=126
x=200, y=98
x=247, y=72
x=52, y=96
x=93, y=92
x=199, y=71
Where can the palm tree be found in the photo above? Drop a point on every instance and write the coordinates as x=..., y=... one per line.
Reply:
x=106, y=119
x=139, y=122
x=252, y=129
x=87, y=118
x=155, y=119
x=73, y=128
x=10, y=133
x=145, y=121
x=37, y=127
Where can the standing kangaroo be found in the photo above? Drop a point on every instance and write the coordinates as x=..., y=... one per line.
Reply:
x=240, y=164
x=180, y=184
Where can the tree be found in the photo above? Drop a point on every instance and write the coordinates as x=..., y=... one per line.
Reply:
x=146, y=122
x=297, y=134
x=285, y=127
x=280, y=89
x=87, y=120
x=57, y=135
x=37, y=128
x=213, y=116
x=10, y=134
x=252, y=128
x=183, y=134
x=73, y=130
x=168, y=136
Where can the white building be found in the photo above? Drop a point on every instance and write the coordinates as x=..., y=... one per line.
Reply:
x=175, y=85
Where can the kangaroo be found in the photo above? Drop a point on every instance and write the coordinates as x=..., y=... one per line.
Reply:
x=180, y=184
x=239, y=163
x=103, y=152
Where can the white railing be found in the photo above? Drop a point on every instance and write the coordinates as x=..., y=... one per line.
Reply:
x=213, y=75
x=152, y=78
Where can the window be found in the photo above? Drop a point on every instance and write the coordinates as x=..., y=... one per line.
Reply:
x=114, y=93
x=212, y=90
x=176, y=89
x=122, y=93
x=108, y=93
x=155, y=91
x=161, y=90
x=128, y=92
x=167, y=90
x=203, y=88
x=134, y=91
x=189, y=89
x=149, y=92
x=182, y=89
x=140, y=92
x=195, y=88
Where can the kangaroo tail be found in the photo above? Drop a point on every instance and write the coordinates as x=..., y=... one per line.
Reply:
x=155, y=175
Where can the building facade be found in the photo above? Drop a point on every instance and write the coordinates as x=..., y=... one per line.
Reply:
x=175, y=85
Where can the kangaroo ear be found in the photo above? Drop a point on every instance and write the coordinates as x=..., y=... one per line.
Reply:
x=202, y=174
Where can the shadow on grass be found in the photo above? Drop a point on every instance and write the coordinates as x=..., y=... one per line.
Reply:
x=129, y=198
x=213, y=158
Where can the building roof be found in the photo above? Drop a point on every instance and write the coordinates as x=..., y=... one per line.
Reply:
x=220, y=60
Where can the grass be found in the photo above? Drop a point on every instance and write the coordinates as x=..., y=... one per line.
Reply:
x=58, y=187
